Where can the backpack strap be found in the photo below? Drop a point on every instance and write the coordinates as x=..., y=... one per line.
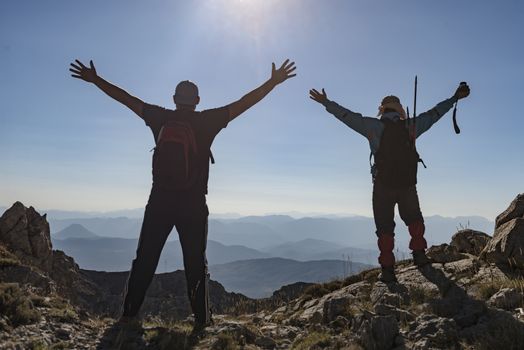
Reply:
x=372, y=167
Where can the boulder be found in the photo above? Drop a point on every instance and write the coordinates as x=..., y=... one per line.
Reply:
x=266, y=342
x=470, y=311
x=26, y=234
x=337, y=307
x=340, y=323
x=395, y=294
x=378, y=332
x=507, y=245
x=515, y=210
x=433, y=332
x=497, y=329
x=444, y=253
x=400, y=314
x=506, y=298
x=469, y=241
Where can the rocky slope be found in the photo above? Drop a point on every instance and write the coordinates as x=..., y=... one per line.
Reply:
x=470, y=297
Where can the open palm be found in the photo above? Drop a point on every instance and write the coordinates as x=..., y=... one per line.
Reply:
x=317, y=96
x=283, y=73
x=82, y=72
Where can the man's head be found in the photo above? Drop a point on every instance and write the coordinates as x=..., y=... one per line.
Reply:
x=391, y=104
x=186, y=95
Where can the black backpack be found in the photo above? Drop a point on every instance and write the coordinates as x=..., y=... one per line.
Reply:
x=178, y=163
x=396, y=160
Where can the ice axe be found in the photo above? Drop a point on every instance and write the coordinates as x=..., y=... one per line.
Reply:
x=455, y=125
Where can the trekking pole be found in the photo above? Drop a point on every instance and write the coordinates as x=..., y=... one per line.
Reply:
x=415, y=112
x=408, y=123
x=415, y=120
x=455, y=125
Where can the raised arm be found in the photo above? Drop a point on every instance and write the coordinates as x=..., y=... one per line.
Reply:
x=365, y=126
x=427, y=119
x=277, y=76
x=89, y=75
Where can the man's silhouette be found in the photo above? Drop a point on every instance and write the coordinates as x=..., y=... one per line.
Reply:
x=392, y=142
x=180, y=172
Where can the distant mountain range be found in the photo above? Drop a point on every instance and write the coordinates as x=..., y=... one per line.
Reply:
x=263, y=232
x=239, y=268
x=315, y=249
x=75, y=231
x=253, y=255
x=116, y=254
x=258, y=278
x=119, y=227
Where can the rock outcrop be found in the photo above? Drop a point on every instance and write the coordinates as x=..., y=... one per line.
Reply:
x=469, y=241
x=514, y=211
x=465, y=243
x=26, y=234
x=507, y=245
x=445, y=253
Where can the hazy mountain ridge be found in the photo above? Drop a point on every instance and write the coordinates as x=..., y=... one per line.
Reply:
x=116, y=254
x=260, y=232
x=315, y=249
x=259, y=278
x=75, y=231
x=117, y=227
x=227, y=263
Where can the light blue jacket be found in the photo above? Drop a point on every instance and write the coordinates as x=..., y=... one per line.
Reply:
x=372, y=128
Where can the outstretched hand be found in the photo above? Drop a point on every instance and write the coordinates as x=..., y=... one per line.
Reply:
x=462, y=91
x=317, y=96
x=283, y=73
x=82, y=72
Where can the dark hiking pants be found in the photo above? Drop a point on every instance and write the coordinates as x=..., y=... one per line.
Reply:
x=188, y=214
x=384, y=200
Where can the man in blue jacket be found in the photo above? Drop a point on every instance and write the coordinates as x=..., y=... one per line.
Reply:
x=392, y=141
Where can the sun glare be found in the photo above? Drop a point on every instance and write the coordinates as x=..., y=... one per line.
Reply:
x=250, y=17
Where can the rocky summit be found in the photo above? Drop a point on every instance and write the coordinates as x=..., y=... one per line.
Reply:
x=471, y=296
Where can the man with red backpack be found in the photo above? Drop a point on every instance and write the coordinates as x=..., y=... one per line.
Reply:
x=180, y=173
x=392, y=142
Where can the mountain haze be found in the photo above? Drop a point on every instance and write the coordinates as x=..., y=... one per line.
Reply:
x=316, y=249
x=75, y=231
x=261, y=232
x=259, y=278
x=116, y=254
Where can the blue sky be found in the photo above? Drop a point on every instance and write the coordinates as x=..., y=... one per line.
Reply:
x=65, y=145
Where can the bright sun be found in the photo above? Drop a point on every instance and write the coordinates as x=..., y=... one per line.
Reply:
x=249, y=16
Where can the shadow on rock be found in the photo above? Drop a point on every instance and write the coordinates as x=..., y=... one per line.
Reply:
x=123, y=336
x=134, y=337
x=486, y=328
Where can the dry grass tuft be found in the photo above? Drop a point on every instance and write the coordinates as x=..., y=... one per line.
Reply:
x=16, y=305
x=312, y=340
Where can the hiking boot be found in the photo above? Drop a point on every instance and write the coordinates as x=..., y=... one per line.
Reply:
x=419, y=258
x=129, y=331
x=127, y=319
x=387, y=275
x=129, y=322
x=197, y=333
